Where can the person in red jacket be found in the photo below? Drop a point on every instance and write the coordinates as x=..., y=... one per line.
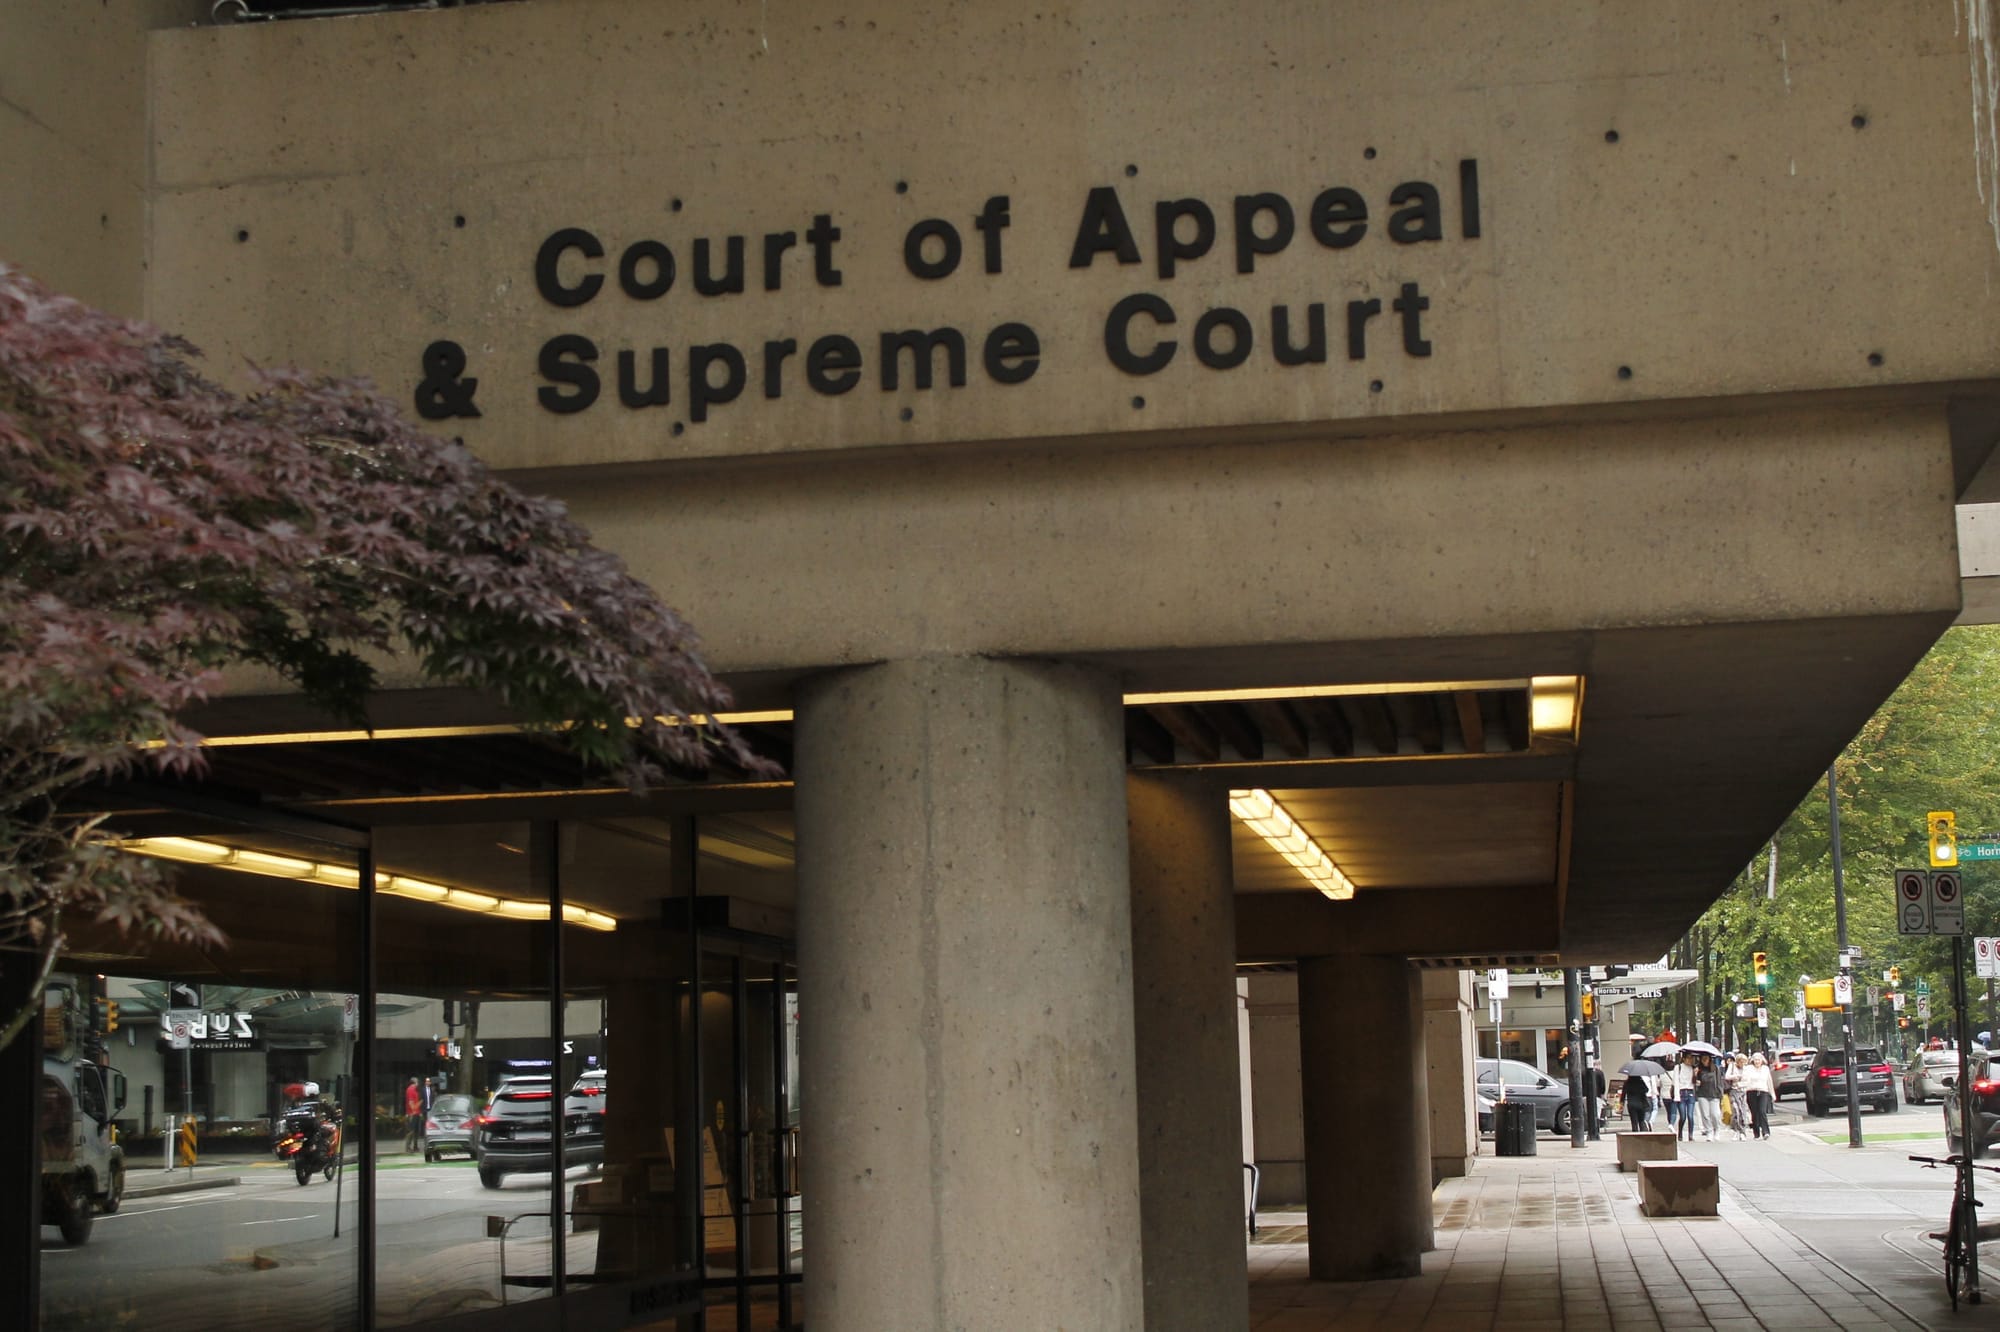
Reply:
x=413, y=1110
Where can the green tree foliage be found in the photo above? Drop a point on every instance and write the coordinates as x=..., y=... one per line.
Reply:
x=156, y=527
x=1931, y=746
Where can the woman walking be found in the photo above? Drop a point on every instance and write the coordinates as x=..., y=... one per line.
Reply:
x=1639, y=1101
x=1733, y=1074
x=1757, y=1086
x=1684, y=1094
x=1708, y=1098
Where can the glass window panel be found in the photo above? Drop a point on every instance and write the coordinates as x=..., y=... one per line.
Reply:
x=626, y=1060
x=462, y=1021
x=259, y=1019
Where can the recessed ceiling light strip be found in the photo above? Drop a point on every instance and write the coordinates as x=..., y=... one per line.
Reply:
x=195, y=851
x=1263, y=815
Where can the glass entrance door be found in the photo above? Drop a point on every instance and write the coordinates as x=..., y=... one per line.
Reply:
x=751, y=1224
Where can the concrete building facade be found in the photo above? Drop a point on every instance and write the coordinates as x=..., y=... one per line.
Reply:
x=1520, y=440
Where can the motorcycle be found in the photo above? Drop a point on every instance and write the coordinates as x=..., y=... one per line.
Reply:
x=311, y=1144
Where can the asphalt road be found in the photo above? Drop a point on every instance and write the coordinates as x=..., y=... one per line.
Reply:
x=264, y=1253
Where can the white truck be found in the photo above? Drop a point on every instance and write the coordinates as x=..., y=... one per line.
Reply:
x=83, y=1167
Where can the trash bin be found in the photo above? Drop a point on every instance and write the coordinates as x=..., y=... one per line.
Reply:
x=1513, y=1128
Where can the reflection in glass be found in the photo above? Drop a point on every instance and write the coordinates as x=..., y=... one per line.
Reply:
x=623, y=1025
x=167, y=1072
x=462, y=1022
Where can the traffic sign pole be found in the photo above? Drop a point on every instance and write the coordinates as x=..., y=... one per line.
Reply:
x=1965, y=1119
x=1840, y=931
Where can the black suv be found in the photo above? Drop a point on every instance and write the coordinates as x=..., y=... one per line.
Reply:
x=1826, y=1080
x=514, y=1134
x=1985, y=1108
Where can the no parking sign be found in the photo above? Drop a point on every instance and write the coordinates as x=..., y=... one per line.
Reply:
x=1913, y=904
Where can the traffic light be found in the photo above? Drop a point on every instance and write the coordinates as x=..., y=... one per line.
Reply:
x=1760, y=964
x=1943, y=826
x=1903, y=1023
x=107, y=1015
x=1895, y=975
x=1589, y=1006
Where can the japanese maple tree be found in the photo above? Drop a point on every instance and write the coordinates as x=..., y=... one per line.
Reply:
x=156, y=527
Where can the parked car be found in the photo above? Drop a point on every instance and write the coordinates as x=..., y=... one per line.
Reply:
x=449, y=1125
x=1931, y=1074
x=1524, y=1082
x=1826, y=1083
x=1790, y=1070
x=1985, y=1108
x=514, y=1134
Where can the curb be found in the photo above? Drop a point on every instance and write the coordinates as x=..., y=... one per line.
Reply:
x=181, y=1186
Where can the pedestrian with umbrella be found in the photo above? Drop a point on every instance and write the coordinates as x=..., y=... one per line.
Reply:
x=1639, y=1075
x=1666, y=1051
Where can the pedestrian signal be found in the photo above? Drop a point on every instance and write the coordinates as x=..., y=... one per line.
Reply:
x=1943, y=826
x=1589, y=1007
x=1760, y=963
x=1895, y=975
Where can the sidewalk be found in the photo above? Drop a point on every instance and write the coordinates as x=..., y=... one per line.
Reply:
x=1556, y=1241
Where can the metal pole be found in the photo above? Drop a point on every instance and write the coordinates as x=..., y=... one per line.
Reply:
x=1965, y=1120
x=1573, y=1015
x=187, y=1094
x=1840, y=932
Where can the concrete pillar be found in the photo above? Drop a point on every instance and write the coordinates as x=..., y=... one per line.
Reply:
x=1189, y=1057
x=965, y=1008
x=1368, y=1169
x=1448, y=1056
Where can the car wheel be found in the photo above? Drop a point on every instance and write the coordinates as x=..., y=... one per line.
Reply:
x=1563, y=1118
x=490, y=1178
x=1951, y=1144
x=75, y=1219
x=1980, y=1148
x=115, y=1194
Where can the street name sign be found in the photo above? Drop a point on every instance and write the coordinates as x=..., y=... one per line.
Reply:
x=1979, y=850
x=1947, y=903
x=1913, y=902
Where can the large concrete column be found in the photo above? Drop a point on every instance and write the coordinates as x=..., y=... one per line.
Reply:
x=1368, y=1169
x=965, y=1007
x=1448, y=1056
x=1189, y=1060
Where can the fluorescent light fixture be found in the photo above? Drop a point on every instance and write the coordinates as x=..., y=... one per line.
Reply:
x=402, y=885
x=1263, y=815
x=1555, y=705
x=450, y=732
x=1317, y=691
x=278, y=867
x=195, y=851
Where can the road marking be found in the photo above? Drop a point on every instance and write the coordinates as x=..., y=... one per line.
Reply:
x=279, y=1220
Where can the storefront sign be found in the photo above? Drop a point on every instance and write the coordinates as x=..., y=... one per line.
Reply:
x=225, y=1030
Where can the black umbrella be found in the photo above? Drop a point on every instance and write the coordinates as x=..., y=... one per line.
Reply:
x=1641, y=1068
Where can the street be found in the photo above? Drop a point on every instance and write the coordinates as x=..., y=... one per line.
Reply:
x=264, y=1253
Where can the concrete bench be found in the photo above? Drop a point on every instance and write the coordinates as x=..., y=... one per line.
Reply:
x=1678, y=1188
x=1636, y=1147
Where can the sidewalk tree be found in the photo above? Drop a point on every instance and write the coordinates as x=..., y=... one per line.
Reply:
x=157, y=527
x=1926, y=748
